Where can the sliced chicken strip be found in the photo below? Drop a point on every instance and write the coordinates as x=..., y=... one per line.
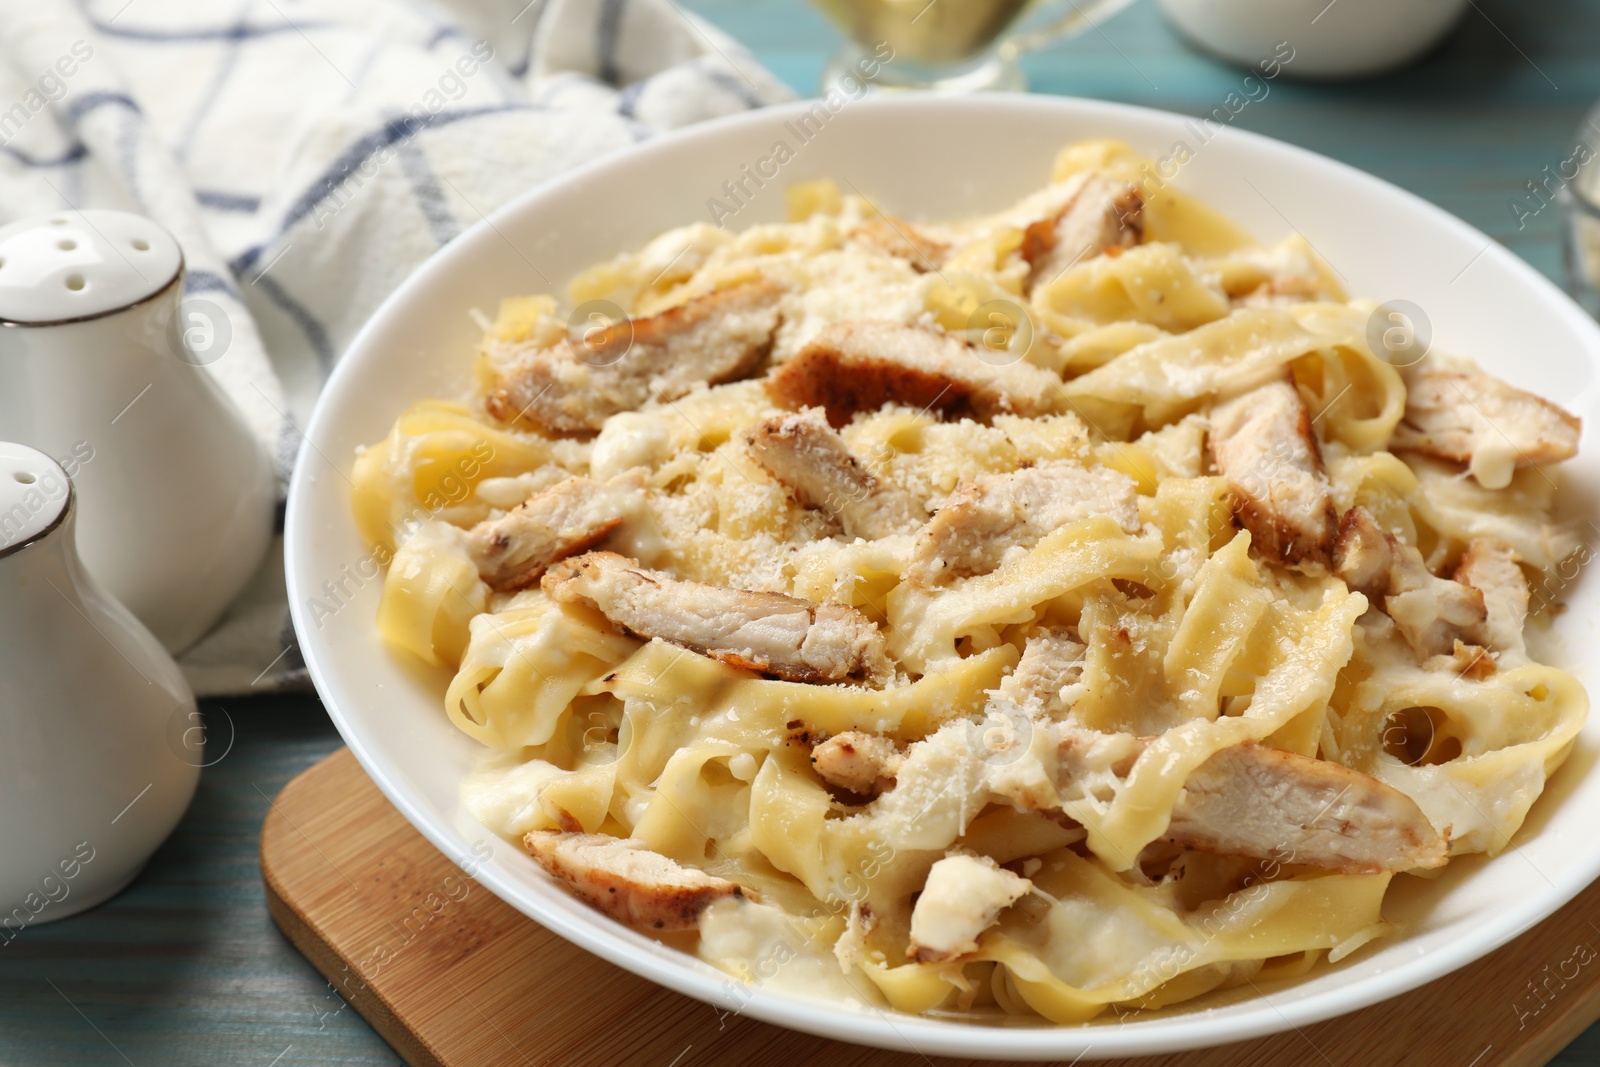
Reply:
x=1490, y=566
x=571, y=388
x=860, y=762
x=1104, y=214
x=1052, y=660
x=1433, y=614
x=1250, y=800
x=626, y=880
x=990, y=515
x=1363, y=555
x=1262, y=443
x=573, y=516
x=1247, y=799
x=806, y=454
x=1477, y=419
x=789, y=638
x=898, y=238
x=1090, y=764
x=963, y=896
x=860, y=366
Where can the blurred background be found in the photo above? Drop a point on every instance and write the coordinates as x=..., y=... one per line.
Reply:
x=1467, y=126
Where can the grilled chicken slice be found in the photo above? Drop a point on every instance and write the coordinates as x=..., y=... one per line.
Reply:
x=861, y=762
x=572, y=388
x=898, y=238
x=1246, y=800
x=963, y=896
x=986, y=517
x=1363, y=555
x=1262, y=443
x=1250, y=800
x=1433, y=614
x=626, y=880
x=1104, y=214
x=803, y=452
x=1052, y=660
x=860, y=366
x=783, y=636
x=1475, y=418
x=573, y=516
x=1490, y=566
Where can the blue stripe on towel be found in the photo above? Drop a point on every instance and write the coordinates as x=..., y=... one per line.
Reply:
x=443, y=33
x=82, y=105
x=76, y=150
x=731, y=83
x=128, y=153
x=205, y=281
x=72, y=154
x=333, y=177
x=309, y=325
x=219, y=200
x=628, y=99
x=442, y=223
x=237, y=32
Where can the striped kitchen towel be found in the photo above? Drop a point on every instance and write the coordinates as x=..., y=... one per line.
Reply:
x=309, y=153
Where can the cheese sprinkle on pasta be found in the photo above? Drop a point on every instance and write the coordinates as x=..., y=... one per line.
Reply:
x=1037, y=614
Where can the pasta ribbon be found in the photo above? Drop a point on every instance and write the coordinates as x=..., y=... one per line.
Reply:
x=1100, y=488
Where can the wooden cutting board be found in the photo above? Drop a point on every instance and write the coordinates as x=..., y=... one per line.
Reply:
x=451, y=975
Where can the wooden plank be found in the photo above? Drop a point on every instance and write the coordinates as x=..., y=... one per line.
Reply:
x=451, y=975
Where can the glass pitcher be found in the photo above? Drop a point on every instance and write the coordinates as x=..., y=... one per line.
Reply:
x=949, y=45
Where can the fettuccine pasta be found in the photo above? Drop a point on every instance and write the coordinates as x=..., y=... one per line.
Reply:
x=1060, y=611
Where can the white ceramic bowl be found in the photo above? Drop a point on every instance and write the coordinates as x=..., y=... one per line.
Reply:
x=930, y=157
x=1328, y=38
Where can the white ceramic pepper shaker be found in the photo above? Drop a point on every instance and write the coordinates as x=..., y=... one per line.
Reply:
x=98, y=730
x=102, y=369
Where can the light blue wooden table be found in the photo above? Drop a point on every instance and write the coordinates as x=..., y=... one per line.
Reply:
x=186, y=968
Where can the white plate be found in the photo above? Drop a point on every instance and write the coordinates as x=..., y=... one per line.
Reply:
x=930, y=157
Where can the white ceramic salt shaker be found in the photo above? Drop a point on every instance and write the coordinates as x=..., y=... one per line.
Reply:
x=99, y=736
x=100, y=368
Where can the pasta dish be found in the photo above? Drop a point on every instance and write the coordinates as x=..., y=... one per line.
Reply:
x=1075, y=608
